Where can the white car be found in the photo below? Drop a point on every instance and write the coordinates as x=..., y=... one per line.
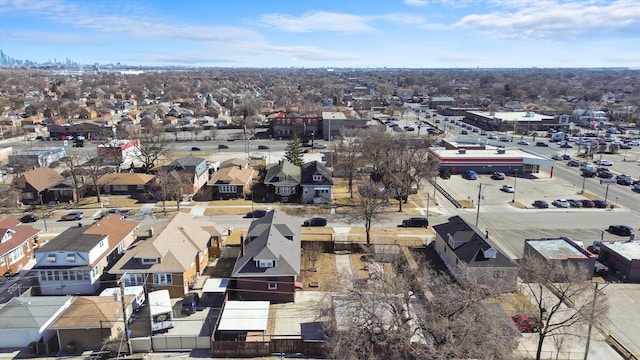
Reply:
x=508, y=188
x=562, y=203
x=522, y=142
x=603, y=163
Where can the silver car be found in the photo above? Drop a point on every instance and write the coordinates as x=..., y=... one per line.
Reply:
x=74, y=215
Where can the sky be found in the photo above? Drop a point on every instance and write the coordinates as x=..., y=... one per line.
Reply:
x=326, y=33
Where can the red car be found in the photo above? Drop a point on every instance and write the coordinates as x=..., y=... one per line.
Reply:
x=526, y=324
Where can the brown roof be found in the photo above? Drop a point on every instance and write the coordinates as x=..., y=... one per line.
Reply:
x=113, y=226
x=22, y=234
x=90, y=312
x=124, y=179
x=40, y=178
x=232, y=176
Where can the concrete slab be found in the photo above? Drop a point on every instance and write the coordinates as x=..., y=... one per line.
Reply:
x=300, y=318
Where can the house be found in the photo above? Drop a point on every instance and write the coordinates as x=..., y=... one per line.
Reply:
x=230, y=182
x=118, y=151
x=17, y=243
x=316, y=183
x=471, y=256
x=24, y=322
x=283, y=180
x=193, y=170
x=74, y=261
x=90, y=321
x=562, y=251
x=133, y=184
x=269, y=259
x=43, y=185
x=173, y=258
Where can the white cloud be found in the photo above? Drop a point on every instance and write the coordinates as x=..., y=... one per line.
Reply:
x=416, y=2
x=48, y=37
x=554, y=19
x=317, y=21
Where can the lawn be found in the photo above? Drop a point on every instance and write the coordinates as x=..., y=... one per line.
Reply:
x=326, y=276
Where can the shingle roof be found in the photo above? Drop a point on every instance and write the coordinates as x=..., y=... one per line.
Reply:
x=40, y=178
x=22, y=233
x=311, y=168
x=276, y=236
x=124, y=179
x=188, y=160
x=90, y=312
x=235, y=162
x=286, y=170
x=469, y=244
x=31, y=312
x=232, y=176
x=177, y=245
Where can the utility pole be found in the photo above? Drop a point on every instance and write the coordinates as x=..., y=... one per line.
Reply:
x=514, y=187
x=124, y=317
x=593, y=310
x=479, y=198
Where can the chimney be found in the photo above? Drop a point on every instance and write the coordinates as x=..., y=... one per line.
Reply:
x=241, y=244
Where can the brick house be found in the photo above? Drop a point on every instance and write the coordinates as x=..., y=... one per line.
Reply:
x=269, y=259
x=133, y=184
x=45, y=182
x=193, y=170
x=17, y=242
x=283, y=181
x=231, y=181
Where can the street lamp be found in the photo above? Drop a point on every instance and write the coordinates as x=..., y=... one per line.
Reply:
x=44, y=218
x=514, y=186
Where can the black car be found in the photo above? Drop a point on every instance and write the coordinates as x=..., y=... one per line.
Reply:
x=542, y=144
x=316, y=221
x=498, y=175
x=573, y=163
x=541, y=204
x=29, y=218
x=621, y=230
x=263, y=147
x=123, y=213
x=575, y=203
x=566, y=157
x=600, y=204
x=256, y=214
x=195, y=148
x=416, y=222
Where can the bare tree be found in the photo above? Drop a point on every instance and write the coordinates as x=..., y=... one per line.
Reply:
x=94, y=168
x=171, y=186
x=347, y=156
x=313, y=249
x=370, y=207
x=562, y=298
x=152, y=146
x=75, y=171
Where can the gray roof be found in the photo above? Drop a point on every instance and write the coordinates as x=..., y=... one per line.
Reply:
x=73, y=239
x=186, y=161
x=312, y=168
x=276, y=236
x=289, y=174
x=469, y=244
x=31, y=312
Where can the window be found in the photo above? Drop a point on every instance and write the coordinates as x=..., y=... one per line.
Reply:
x=162, y=279
x=16, y=255
x=51, y=258
x=285, y=190
x=71, y=257
x=28, y=196
x=65, y=275
x=133, y=279
x=140, y=187
x=228, y=189
x=22, y=185
x=149, y=260
x=272, y=286
x=317, y=177
x=120, y=187
x=266, y=263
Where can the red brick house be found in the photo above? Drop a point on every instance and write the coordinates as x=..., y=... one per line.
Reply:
x=16, y=245
x=269, y=259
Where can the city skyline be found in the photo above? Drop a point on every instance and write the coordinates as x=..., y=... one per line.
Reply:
x=349, y=33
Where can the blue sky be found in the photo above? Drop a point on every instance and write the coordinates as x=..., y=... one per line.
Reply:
x=327, y=33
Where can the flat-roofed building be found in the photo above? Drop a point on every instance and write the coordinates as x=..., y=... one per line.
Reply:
x=623, y=257
x=562, y=250
x=517, y=121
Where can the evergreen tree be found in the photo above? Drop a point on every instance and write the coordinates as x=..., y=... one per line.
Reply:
x=293, y=151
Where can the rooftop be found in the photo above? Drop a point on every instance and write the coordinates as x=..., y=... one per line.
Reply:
x=557, y=248
x=244, y=316
x=629, y=250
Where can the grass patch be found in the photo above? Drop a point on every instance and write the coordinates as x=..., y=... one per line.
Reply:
x=518, y=205
x=466, y=204
x=325, y=276
x=234, y=238
x=219, y=210
x=230, y=202
x=516, y=304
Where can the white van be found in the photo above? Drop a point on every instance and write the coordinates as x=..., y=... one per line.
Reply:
x=160, y=311
x=136, y=291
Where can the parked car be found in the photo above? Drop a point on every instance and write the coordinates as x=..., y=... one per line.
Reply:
x=575, y=203
x=256, y=214
x=190, y=303
x=600, y=204
x=542, y=144
x=464, y=132
x=416, y=222
x=319, y=146
x=470, y=175
x=74, y=215
x=604, y=173
x=223, y=146
x=566, y=157
x=603, y=162
x=29, y=218
x=316, y=221
x=541, y=204
x=556, y=157
x=588, y=203
x=621, y=230
x=263, y=147
x=527, y=324
x=498, y=175
x=508, y=188
x=573, y=163
x=504, y=139
x=624, y=179
x=195, y=148
x=124, y=213
x=522, y=142
x=561, y=203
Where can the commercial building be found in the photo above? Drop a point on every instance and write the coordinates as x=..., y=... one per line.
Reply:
x=37, y=157
x=564, y=252
x=118, y=151
x=622, y=257
x=516, y=121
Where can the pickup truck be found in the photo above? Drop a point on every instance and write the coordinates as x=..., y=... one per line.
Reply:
x=526, y=324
